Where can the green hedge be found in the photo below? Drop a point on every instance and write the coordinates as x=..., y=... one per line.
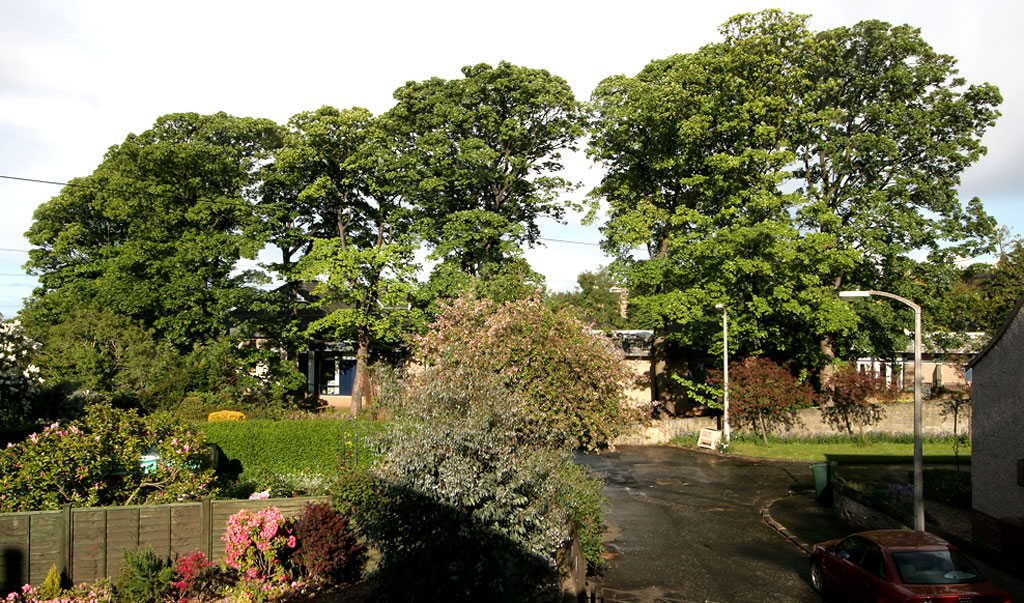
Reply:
x=292, y=446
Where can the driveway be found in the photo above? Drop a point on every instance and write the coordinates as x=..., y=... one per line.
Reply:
x=686, y=526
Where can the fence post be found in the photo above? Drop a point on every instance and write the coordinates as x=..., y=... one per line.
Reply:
x=66, y=541
x=206, y=526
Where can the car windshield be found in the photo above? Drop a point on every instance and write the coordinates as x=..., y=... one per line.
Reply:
x=935, y=567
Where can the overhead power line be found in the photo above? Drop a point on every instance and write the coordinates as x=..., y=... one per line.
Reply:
x=180, y=198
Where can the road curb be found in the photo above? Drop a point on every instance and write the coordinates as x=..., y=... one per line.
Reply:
x=781, y=529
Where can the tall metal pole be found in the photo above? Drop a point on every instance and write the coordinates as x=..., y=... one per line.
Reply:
x=918, y=449
x=725, y=372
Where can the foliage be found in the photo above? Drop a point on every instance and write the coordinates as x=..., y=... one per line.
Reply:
x=593, y=299
x=95, y=461
x=780, y=165
x=338, y=192
x=99, y=592
x=949, y=486
x=259, y=545
x=580, y=492
x=328, y=551
x=762, y=394
x=197, y=579
x=1003, y=287
x=701, y=393
x=292, y=446
x=51, y=587
x=854, y=399
x=571, y=379
x=19, y=378
x=156, y=232
x=144, y=577
x=485, y=150
x=465, y=486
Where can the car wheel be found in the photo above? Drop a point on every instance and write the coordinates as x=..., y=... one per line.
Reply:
x=817, y=577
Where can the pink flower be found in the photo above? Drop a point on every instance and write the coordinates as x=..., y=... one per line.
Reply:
x=291, y=542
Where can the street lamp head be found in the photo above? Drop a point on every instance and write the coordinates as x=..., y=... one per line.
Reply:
x=854, y=294
x=719, y=306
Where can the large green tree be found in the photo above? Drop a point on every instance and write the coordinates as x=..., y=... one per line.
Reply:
x=767, y=171
x=339, y=190
x=156, y=232
x=486, y=154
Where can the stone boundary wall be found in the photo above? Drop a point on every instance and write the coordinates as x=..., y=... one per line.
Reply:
x=897, y=418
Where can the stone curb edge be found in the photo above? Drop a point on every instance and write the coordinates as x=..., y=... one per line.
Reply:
x=781, y=529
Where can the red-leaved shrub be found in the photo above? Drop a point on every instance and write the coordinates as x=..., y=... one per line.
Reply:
x=328, y=551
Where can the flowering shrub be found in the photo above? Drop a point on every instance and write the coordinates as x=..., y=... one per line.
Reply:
x=197, y=579
x=95, y=461
x=571, y=379
x=83, y=593
x=259, y=546
x=19, y=378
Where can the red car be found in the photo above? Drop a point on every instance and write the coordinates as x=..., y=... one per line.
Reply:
x=899, y=565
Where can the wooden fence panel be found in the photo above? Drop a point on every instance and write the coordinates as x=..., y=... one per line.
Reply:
x=88, y=545
x=45, y=545
x=185, y=531
x=15, y=547
x=88, y=542
x=155, y=530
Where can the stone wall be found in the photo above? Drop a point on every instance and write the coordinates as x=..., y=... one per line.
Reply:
x=897, y=418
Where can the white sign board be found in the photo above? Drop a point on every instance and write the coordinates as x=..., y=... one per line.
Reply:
x=709, y=438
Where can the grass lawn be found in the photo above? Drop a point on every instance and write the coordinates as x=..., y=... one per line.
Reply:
x=873, y=450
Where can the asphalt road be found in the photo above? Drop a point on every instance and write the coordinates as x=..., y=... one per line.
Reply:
x=685, y=526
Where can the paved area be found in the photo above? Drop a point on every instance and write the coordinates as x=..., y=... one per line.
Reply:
x=686, y=526
x=691, y=526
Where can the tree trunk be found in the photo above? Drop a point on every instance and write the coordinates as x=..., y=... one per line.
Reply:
x=827, y=371
x=764, y=430
x=359, y=383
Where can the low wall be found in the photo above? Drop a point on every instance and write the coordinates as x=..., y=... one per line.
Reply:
x=897, y=418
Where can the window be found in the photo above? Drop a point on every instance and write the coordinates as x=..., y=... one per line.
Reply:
x=935, y=567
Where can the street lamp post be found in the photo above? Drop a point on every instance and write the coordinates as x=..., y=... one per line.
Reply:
x=918, y=454
x=725, y=372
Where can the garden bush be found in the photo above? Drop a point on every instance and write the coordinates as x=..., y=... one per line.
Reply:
x=259, y=546
x=99, y=592
x=467, y=500
x=854, y=399
x=95, y=462
x=328, y=549
x=290, y=447
x=197, y=579
x=569, y=378
x=763, y=394
x=144, y=577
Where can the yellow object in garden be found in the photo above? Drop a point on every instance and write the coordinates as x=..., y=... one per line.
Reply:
x=225, y=415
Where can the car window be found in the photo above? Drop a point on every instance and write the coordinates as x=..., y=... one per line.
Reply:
x=852, y=549
x=872, y=560
x=935, y=567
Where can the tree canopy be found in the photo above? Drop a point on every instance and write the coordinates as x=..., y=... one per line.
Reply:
x=767, y=171
x=486, y=154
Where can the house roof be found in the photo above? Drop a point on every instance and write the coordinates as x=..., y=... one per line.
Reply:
x=1002, y=330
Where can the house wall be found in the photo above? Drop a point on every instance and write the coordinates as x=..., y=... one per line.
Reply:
x=639, y=392
x=998, y=392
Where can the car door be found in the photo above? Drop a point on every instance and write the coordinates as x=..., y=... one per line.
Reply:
x=871, y=582
x=846, y=575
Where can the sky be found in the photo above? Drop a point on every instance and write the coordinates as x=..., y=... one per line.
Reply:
x=76, y=77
